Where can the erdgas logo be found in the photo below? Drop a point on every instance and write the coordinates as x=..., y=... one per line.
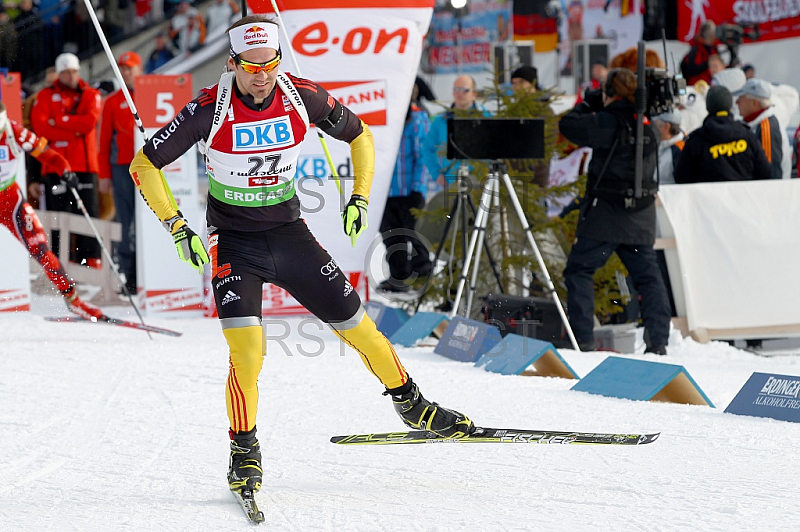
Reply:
x=329, y=268
x=267, y=134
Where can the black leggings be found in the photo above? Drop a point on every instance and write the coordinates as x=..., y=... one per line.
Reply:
x=287, y=256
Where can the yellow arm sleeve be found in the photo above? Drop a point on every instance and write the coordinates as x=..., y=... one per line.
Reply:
x=362, y=151
x=151, y=185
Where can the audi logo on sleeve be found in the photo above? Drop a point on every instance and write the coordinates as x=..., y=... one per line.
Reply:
x=329, y=269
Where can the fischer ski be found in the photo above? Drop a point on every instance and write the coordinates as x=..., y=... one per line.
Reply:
x=115, y=321
x=487, y=435
x=247, y=500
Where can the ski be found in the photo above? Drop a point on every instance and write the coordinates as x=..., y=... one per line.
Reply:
x=487, y=435
x=115, y=321
x=247, y=500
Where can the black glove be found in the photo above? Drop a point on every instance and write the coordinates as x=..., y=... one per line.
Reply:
x=70, y=179
x=417, y=200
x=355, y=217
x=594, y=99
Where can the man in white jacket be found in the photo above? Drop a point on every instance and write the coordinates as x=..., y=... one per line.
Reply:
x=755, y=106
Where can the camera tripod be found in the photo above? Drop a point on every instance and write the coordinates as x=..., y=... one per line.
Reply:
x=460, y=214
x=491, y=189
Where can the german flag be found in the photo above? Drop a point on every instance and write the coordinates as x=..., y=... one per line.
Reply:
x=531, y=23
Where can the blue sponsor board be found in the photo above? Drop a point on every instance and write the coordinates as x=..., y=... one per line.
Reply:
x=768, y=395
x=640, y=380
x=420, y=326
x=515, y=355
x=387, y=319
x=465, y=340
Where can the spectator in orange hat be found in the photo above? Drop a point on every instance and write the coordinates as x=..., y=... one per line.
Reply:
x=116, y=130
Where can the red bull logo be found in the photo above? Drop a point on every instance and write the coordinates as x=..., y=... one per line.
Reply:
x=255, y=35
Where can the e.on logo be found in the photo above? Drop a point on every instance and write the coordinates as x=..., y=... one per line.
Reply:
x=315, y=39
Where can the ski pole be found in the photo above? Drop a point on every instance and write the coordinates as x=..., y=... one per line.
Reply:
x=319, y=133
x=82, y=207
x=124, y=88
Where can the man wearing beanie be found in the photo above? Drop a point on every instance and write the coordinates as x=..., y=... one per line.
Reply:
x=612, y=218
x=721, y=149
x=526, y=78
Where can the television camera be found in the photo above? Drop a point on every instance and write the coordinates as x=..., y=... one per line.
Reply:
x=663, y=90
x=732, y=36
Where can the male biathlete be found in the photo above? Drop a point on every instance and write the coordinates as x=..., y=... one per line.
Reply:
x=250, y=127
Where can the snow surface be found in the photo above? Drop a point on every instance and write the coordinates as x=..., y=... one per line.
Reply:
x=103, y=429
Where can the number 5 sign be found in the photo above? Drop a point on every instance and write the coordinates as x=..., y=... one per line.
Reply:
x=165, y=284
x=158, y=98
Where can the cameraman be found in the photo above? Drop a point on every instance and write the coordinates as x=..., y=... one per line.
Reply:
x=611, y=218
x=694, y=65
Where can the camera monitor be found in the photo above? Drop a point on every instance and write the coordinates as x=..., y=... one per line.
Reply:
x=495, y=138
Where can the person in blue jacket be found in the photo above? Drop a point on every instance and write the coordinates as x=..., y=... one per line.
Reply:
x=434, y=149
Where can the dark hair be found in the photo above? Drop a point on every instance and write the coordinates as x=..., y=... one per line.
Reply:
x=526, y=72
x=620, y=83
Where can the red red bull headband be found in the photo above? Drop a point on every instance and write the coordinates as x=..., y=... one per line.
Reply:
x=251, y=36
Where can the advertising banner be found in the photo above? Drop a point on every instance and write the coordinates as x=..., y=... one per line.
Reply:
x=166, y=285
x=775, y=20
x=768, y=395
x=366, y=54
x=597, y=19
x=461, y=41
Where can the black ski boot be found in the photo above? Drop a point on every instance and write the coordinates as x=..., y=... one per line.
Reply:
x=245, y=464
x=419, y=413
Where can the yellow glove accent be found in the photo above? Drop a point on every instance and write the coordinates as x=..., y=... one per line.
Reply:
x=355, y=217
x=189, y=245
x=362, y=152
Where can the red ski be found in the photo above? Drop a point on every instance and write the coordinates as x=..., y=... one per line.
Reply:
x=115, y=321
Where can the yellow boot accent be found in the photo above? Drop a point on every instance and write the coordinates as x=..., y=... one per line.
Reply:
x=247, y=348
x=376, y=352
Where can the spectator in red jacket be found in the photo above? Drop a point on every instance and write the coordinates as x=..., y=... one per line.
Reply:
x=694, y=65
x=17, y=215
x=116, y=130
x=66, y=114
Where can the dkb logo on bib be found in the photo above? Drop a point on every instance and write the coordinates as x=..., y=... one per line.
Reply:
x=267, y=134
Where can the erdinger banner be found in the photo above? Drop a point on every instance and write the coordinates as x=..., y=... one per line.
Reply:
x=366, y=54
x=777, y=19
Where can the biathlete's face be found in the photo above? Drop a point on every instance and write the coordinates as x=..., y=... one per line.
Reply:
x=256, y=72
